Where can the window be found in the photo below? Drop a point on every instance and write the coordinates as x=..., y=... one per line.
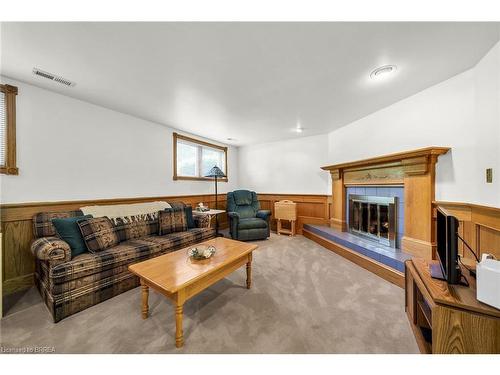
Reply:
x=193, y=159
x=8, y=129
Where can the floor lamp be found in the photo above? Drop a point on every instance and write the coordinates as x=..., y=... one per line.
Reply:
x=215, y=173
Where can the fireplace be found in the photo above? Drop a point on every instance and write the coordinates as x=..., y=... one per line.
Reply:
x=374, y=217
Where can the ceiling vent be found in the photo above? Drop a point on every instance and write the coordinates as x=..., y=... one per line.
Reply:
x=53, y=77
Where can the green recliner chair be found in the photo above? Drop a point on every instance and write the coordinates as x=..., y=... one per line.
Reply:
x=246, y=220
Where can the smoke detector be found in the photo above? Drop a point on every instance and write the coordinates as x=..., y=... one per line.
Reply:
x=53, y=77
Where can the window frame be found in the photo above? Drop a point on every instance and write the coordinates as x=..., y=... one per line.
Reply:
x=177, y=177
x=10, y=167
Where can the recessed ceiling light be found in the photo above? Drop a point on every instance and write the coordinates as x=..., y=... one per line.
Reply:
x=383, y=72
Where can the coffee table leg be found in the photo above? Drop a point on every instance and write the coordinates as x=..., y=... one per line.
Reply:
x=145, y=297
x=249, y=271
x=179, y=337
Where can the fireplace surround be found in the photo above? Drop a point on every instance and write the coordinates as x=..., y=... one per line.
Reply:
x=414, y=170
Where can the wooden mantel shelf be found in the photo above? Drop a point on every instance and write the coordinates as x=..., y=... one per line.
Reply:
x=390, y=158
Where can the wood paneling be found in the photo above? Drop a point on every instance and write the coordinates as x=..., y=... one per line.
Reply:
x=16, y=225
x=479, y=227
x=311, y=208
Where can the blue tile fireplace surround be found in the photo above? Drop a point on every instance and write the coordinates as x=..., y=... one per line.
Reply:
x=392, y=257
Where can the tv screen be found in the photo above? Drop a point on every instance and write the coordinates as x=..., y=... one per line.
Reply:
x=447, y=246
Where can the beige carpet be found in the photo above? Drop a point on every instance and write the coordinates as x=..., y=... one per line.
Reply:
x=304, y=299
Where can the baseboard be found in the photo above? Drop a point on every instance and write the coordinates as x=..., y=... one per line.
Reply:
x=18, y=284
x=379, y=269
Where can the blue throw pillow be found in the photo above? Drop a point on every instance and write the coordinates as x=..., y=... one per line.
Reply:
x=69, y=231
x=189, y=217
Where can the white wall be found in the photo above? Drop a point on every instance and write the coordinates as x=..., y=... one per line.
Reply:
x=462, y=113
x=68, y=149
x=289, y=166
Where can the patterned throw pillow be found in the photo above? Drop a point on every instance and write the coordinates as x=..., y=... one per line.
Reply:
x=135, y=227
x=98, y=233
x=171, y=220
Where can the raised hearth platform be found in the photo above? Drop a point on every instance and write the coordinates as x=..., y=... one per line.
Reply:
x=387, y=255
x=382, y=260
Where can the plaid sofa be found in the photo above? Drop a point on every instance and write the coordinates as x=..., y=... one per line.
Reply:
x=69, y=285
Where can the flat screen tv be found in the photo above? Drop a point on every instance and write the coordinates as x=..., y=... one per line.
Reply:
x=447, y=248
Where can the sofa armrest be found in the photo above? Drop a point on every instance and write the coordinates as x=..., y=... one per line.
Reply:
x=201, y=221
x=263, y=214
x=51, y=249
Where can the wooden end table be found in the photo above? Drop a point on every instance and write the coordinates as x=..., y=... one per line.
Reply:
x=179, y=277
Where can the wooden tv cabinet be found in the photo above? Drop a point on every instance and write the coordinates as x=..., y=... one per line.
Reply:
x=448, y=318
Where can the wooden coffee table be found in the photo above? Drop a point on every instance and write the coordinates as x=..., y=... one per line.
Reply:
x=179, y=278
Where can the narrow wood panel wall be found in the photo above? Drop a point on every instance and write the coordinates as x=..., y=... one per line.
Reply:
x=479, y=227
x=16, y=225
x=311, y=209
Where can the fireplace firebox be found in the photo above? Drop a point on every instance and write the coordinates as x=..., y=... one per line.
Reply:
x=374, y=217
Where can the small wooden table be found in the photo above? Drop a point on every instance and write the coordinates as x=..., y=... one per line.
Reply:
x=211, y=213
x=179, y=278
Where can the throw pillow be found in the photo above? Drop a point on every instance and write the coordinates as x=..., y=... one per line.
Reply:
x=172, y=220
x=68, y=230
x=189, y=217
x=135, y=227
x=98, y=233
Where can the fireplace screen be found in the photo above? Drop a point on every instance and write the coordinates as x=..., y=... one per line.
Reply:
x=373, y=217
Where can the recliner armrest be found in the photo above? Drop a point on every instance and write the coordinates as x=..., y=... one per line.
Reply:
x=234, y=215
x=263, y=214
x=51, y=249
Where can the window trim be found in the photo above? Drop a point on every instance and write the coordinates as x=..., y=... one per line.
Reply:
x=176, y=177
x=10, y=166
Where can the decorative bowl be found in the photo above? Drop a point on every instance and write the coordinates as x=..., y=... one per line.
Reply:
x=201, y=252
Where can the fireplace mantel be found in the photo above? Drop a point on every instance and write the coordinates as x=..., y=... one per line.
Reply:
x=415, y=170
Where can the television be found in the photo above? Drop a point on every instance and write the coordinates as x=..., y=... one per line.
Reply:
x=447, y=248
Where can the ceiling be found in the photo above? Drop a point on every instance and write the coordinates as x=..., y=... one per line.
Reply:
x=248, y=81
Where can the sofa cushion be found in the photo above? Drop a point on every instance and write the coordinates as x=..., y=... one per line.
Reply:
x=88, y=267
x=178, y=240
x=42, y=222
x=98, y=233
x=67, y=229
x=172, y=220
x=252, y=223
x=135, y=227
x=90, y=263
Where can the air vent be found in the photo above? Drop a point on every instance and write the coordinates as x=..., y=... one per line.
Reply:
x=53, y=77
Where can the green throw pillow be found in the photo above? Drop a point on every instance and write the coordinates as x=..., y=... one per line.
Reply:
x=69, y=231
x=189, y=216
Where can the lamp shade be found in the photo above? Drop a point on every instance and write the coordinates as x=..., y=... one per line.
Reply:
x=215, y=172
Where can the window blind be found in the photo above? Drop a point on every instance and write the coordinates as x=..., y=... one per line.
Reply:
x=3, y=127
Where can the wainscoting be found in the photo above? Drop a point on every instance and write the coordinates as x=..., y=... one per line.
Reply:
x=16, y=225
x=479, y=227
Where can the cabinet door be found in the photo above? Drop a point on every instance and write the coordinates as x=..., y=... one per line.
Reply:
x=455, y=331
x=410, y=292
